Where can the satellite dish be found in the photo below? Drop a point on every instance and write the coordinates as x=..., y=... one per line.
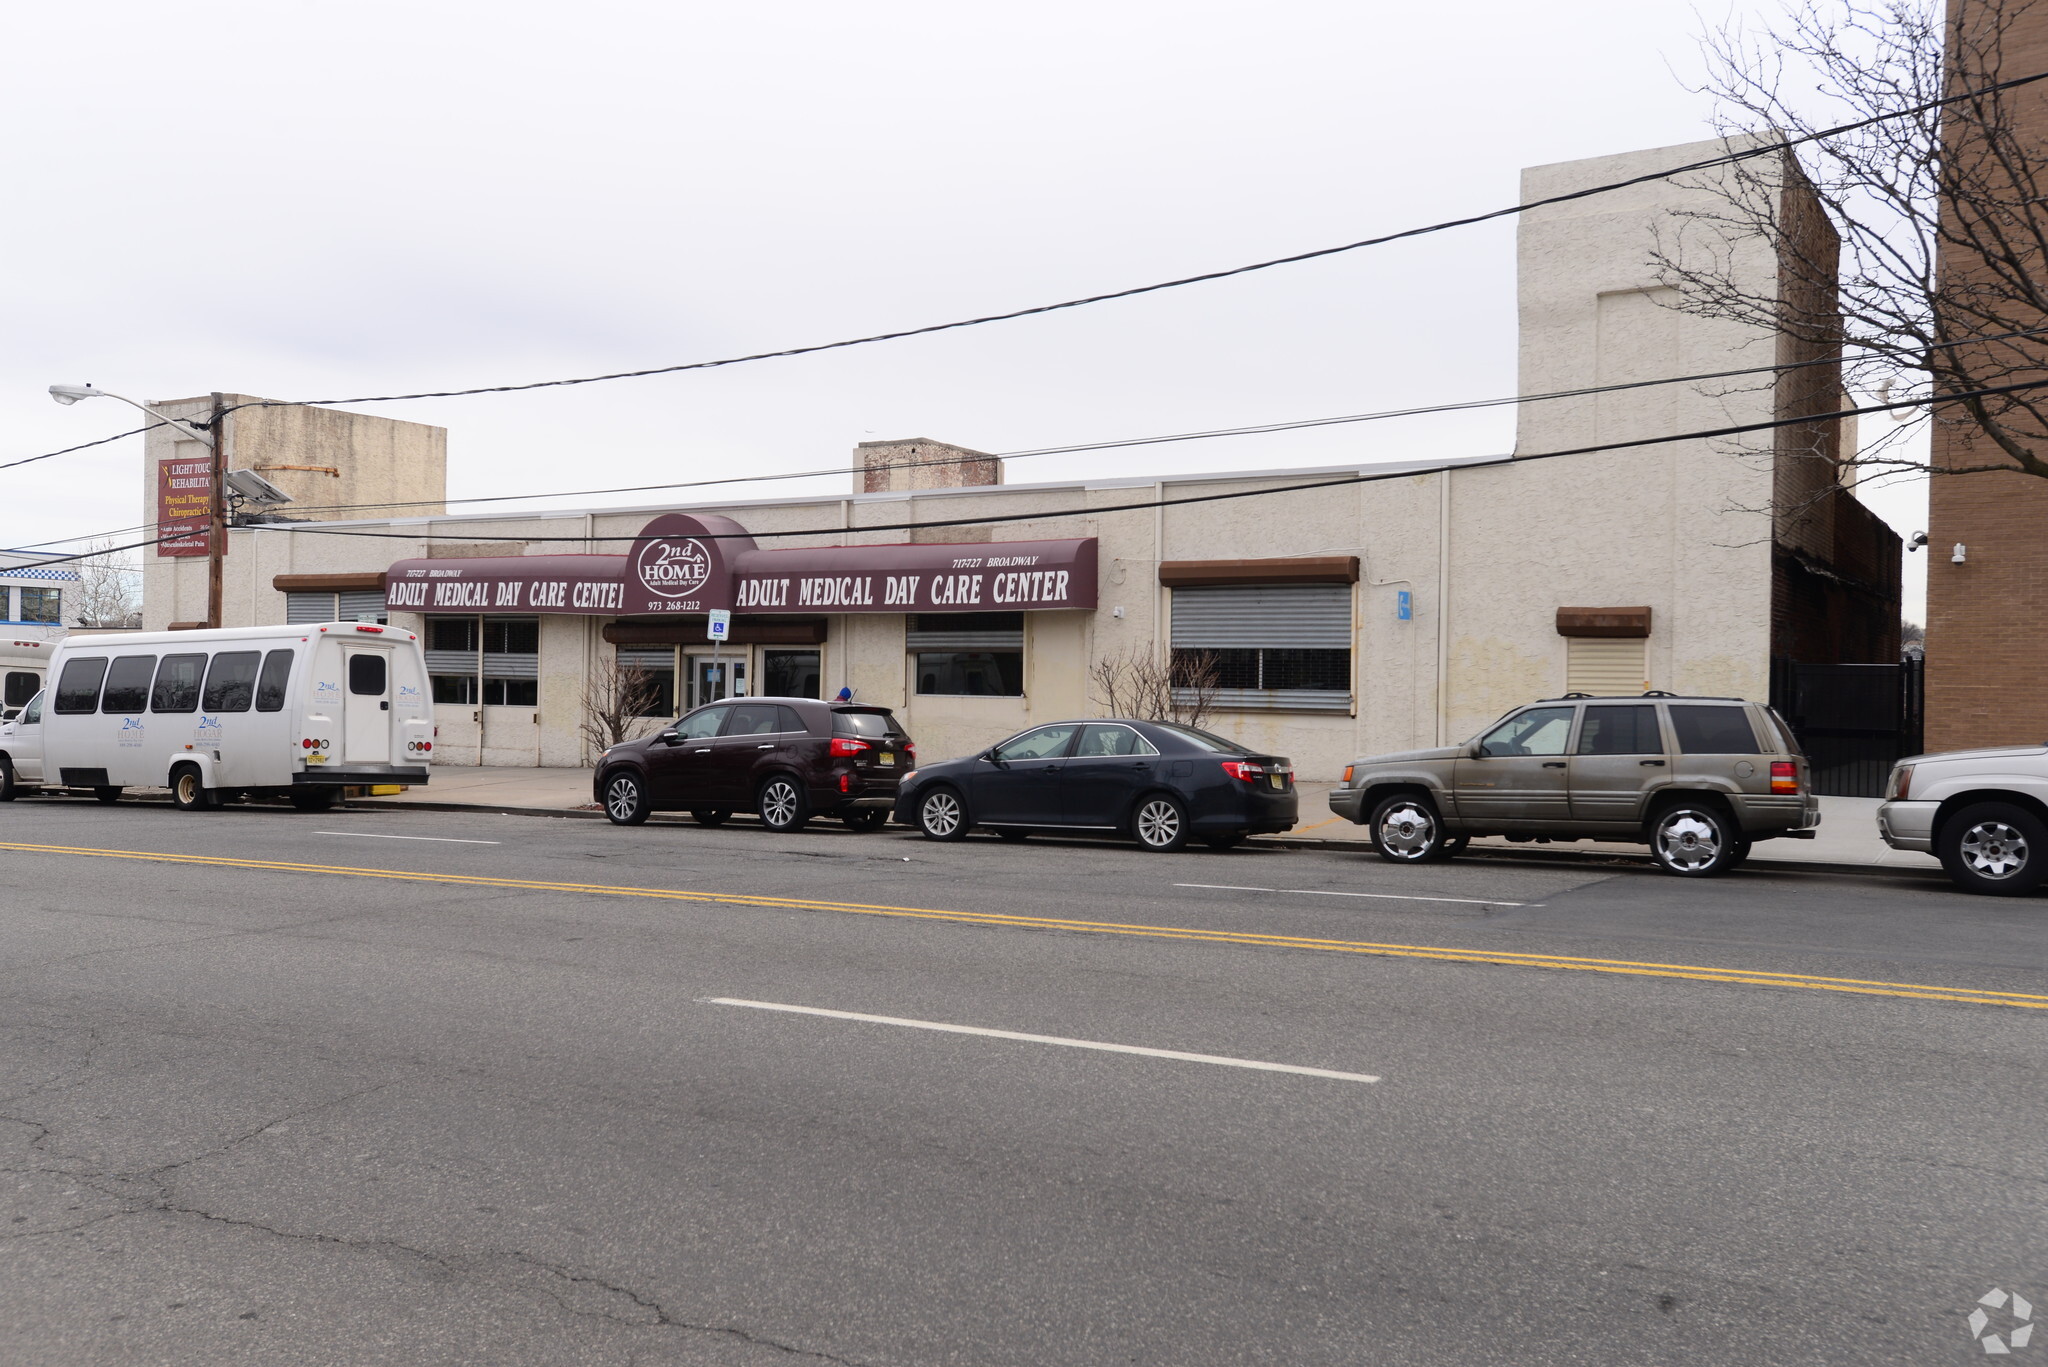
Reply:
x=255, y=488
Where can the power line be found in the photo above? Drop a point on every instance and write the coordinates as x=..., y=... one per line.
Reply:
x=1726, y=159
x=30, y=460
x=1258, y=429
x=1408, y=472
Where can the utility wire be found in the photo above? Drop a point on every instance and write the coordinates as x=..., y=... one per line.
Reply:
x=316, y=529
x=1258, y=429
x=1726, y=159
x=30, y=460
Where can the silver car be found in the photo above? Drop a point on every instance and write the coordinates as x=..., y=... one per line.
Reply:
x=1983, y=813
x=1699, y=780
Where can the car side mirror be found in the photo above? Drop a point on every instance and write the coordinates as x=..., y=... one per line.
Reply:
x=1477, y=750
x=670, y=737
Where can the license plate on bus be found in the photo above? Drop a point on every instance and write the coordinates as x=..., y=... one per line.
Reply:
x=885, y=757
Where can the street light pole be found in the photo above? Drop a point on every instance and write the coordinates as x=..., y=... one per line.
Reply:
x=216, y=445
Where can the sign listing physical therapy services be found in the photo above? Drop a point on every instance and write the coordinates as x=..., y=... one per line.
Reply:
x=685, y=564
x=184, y=504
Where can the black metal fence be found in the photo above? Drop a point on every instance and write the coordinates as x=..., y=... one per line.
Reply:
x=1853, y=721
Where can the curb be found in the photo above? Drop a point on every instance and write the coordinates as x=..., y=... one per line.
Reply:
x=1491, y=853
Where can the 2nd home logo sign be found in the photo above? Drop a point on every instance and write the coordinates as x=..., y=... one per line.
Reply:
x=673, y=569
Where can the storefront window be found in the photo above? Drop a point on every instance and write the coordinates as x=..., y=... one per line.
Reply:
x=1318, y=670
x=42, y=605
x=459, y=689
x=790, y=673
x=971, y=673
x=511, y=692
x=647, y=680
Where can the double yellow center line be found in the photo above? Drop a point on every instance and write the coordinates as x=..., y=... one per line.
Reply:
x=1694, y=972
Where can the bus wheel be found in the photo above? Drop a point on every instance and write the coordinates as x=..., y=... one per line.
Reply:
x=9, y=789
x=187, y=792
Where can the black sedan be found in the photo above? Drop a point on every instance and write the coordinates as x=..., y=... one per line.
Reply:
x=1157, y=782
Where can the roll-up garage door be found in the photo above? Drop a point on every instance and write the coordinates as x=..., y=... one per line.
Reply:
x=1604, y=666
x=303, y=608
x=362, y=606
x=648, y=657
x=1263, y=617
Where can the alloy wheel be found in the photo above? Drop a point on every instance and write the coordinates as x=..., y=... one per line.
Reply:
x=622, y=799
x=1688, y=841
x=940, y=814
x=1992, y=849
x=1407, y=830
x=778, y=803
x=1158, y=823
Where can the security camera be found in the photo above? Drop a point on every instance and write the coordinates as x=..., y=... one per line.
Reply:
x=1916, y=541
x=1960, y=556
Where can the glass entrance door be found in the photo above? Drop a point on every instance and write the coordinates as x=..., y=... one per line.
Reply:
x=714, y=681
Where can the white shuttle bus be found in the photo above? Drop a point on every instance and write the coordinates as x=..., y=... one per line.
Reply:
x=294, y=711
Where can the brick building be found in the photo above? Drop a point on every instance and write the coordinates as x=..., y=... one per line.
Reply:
x=1986, y=650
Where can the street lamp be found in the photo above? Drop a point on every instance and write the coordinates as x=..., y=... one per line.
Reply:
x=216, y=532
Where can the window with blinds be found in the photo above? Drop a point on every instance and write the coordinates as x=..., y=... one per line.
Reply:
x=966, y=654
x=495, y=659
x=648, y=679
x=1266, y=647
x=1605, y=666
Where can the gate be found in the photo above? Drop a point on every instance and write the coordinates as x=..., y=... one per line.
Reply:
x=1853, y=721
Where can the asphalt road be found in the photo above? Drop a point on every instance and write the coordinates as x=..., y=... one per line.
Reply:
x=280, y=1089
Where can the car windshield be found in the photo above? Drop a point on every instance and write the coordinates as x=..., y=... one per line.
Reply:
x=1206, y=740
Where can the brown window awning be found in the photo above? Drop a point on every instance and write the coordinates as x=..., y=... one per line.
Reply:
x=1298, y=569
x=368, y=581
x=1603, y=622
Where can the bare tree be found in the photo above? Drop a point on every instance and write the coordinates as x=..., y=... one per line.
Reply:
x=1136, y=683
x=108, y=593
x=1929, y=275
x=617, y=698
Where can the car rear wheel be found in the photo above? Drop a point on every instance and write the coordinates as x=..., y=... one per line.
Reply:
x=710, y=816
x=1695, y=840
x=188, y=793
x=866, y=819
x=782, y=806
x=941, y=815
x=625, y=799
x=1406, y=829
x=1994, y=847
x=1160, y=824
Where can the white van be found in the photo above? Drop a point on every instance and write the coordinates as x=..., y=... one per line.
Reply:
x=293, y=711
x=24, y=660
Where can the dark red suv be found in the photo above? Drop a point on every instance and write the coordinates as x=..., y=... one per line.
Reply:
x=788, y=759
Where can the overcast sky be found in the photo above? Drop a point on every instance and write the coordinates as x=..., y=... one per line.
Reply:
x=327, y=201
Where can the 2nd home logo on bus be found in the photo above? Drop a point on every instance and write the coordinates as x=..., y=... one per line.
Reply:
x=209, y=729
x=673, y=569
x=131, y=733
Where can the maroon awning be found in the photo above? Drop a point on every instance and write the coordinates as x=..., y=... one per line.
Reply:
x=684, y=564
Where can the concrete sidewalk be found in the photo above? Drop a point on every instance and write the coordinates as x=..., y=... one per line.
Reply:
x=1847, y=834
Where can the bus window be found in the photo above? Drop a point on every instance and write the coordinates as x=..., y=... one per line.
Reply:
x=128, y=684
x=20, y=687
x=231, y=681
x=277, y=672
x=177, y=684
x=79, y=688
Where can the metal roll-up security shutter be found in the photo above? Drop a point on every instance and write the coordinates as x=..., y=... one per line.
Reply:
x=451, y=662
x=1604, y=666
x=502, y=666
x=366, y=605
x=1263, y=617
x=648, y=657
x=972, y=631
x=301, y=609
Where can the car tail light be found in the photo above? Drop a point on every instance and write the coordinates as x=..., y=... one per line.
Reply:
x=910, y=749
x=1244, y=770
x=846, y=783
x=842, y=748
x=1784, y=776
x=1902, y=783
